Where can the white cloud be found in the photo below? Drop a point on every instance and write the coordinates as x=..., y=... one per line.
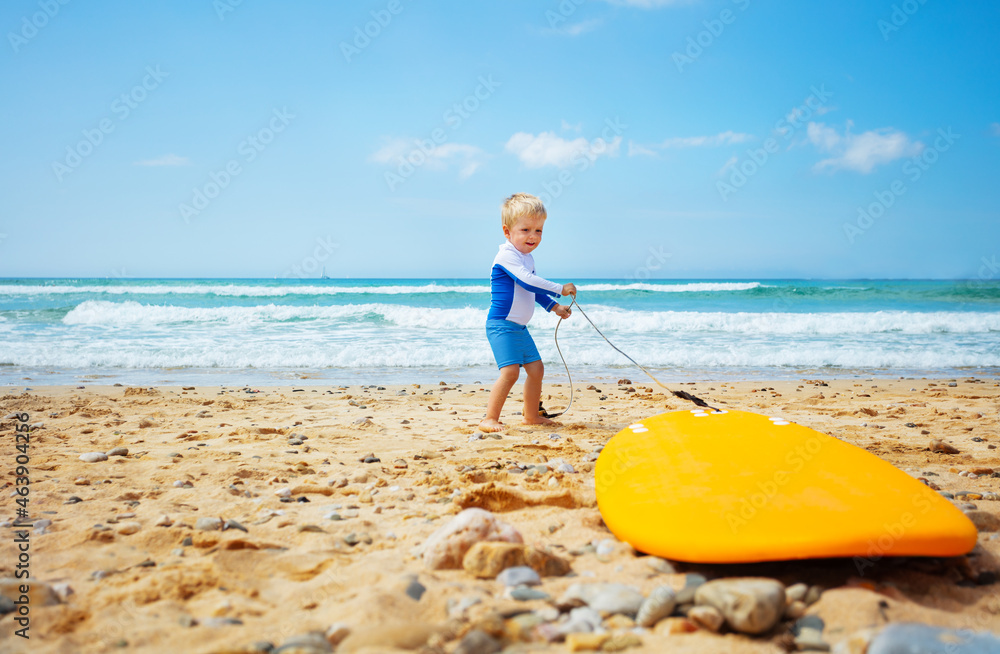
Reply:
x=722, y=138
x=576, y=128
x=995, y=128
x=576, y=29
x=467, y=158
x=860, y=152
x=165, y=160
x=634, y=149
x=550, y=149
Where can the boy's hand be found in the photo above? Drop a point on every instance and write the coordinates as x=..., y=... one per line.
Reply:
x=562, y=311
x=568, y=289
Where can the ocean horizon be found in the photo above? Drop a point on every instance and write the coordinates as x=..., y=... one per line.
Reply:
x=412, y=330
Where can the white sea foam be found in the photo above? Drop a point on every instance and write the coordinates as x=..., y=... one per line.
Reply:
x=250, y=290
x=241, y=350
x=236, y=290
x=130, y=312
x=694, y=287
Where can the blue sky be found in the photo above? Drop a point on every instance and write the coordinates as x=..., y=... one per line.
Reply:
x=702, y=139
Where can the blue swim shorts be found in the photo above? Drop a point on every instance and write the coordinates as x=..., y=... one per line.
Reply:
x=511, y=343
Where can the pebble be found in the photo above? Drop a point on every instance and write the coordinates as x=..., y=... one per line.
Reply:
x=232, y=524
x=796, y=593
x=620, y=642
x=526, y=594
x=415, y=589
x=72, y=499
x=487, y=560
x=399, y=464
x=337, y=632
x=41, y=526
x=582, y=619
x=117, y=451
x=520, y=575
x=478, y=641
x=129, y=528
x=658, y=605
x=660, y=565
x=163, y=521
x=751, y=605
x=565, y=468
x=93, y=457
x=208, y=524
x=446, y=548
x=457, y=609
x=808, y=633
x=183, y=484
x=795, y=610
x=912, y=638
x=675, y=625
x=605, y=548
x=606, y=598
x=220, y=622
x=706, y=617
x=942, y=447
x=586, y=642
x=313, y=642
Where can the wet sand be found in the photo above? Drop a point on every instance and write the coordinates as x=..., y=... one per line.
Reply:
x=135, y=574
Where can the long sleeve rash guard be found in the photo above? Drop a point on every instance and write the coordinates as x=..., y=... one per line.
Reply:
x=515, y=287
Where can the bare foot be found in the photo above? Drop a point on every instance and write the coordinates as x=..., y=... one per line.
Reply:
x=489, y=425
x=539, y=421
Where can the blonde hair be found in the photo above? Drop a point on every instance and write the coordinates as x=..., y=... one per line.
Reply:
x=520, y=204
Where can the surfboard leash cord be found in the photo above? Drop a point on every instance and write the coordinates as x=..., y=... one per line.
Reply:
x=684, y=395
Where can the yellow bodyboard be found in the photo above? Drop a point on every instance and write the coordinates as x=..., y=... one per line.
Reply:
x=735, y=487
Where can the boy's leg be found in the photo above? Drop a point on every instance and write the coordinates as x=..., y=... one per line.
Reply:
x=498, y=395
x=532, y=393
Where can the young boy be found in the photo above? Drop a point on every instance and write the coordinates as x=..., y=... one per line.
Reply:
x=514, y=289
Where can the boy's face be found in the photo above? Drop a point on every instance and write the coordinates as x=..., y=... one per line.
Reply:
x=526, y=233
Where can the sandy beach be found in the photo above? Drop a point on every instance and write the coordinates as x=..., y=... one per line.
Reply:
x=307, y=535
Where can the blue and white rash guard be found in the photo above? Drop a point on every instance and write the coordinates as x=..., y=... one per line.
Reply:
x=515, y=287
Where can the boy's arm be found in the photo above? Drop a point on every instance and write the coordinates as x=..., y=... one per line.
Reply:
x=544, y=300
x=528, y=279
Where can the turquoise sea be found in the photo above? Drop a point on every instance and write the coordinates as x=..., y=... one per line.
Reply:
x=319, y=331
